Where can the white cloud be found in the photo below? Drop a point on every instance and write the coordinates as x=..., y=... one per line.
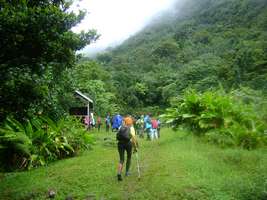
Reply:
x=116, y=20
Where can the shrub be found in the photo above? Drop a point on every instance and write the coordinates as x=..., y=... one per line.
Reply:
x=223, y=118
x=40, y=141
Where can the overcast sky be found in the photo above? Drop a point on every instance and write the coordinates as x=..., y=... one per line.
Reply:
x=116, y=20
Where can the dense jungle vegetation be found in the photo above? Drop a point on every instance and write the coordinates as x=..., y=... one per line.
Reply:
x=202, y=44
x=38, y=49
x=205, y=62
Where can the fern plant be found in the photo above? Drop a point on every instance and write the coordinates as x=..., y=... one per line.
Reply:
x=15, y=144
x=40, y=141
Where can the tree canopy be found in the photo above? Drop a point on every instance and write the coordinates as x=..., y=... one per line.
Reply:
x=200, y=46
x=37, y=45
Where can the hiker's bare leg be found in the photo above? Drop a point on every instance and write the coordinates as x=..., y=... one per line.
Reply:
x=120, y=167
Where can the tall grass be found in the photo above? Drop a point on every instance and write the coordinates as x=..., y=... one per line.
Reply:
x=177, y=166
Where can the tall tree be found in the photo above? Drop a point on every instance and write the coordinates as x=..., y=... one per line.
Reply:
x=37, y=44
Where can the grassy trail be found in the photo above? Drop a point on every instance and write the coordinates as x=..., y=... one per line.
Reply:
x=174, y=167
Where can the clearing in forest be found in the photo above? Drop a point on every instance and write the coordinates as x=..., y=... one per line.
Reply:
x=176, y=166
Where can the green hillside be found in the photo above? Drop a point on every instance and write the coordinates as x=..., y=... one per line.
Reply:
x=201, y=45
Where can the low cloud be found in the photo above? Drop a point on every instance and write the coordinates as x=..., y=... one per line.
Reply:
x=117, y=20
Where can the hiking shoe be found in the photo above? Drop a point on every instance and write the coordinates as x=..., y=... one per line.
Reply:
x=119, y=177
x=127, y=174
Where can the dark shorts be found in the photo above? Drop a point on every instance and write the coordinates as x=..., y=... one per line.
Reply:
x=122, y=147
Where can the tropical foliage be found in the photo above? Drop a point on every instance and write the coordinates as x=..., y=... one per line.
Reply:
x=37, y=45
x=225, y=119
x=90, y=78
x=40, y=141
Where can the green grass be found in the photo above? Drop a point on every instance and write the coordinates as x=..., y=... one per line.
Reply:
x=175, y=167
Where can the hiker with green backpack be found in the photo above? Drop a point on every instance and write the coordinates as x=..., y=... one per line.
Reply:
x=126, y=142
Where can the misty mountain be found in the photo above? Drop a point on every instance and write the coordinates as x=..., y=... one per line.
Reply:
x=200, y=44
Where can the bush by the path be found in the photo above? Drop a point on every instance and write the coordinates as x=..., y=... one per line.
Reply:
x=227, y=119
x=40, y=141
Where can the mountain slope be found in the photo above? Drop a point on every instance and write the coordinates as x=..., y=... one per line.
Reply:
x=203, y=44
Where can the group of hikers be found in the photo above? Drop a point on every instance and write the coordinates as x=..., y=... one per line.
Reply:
x=127, y=129
x=143, y=124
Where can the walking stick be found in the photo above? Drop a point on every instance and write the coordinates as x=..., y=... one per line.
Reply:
x=138, y=166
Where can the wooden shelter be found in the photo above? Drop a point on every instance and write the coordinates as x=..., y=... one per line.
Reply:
x=83, y=111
